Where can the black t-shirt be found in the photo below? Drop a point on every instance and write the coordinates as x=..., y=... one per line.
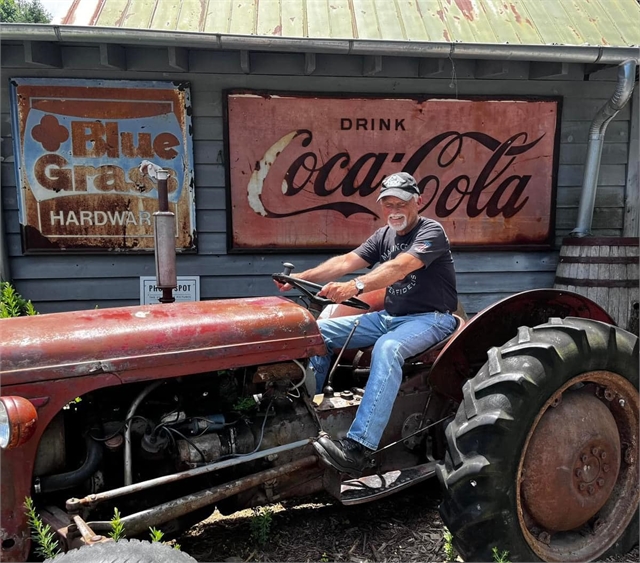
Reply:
x=430, y=288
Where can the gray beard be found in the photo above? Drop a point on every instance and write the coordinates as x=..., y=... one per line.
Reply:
x=401, y=227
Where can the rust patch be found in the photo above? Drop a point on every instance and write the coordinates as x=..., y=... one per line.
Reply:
x=516, y=14
x=466, y=7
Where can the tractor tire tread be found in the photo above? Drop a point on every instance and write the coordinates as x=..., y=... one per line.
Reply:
x=485, y=436
x=124, y=551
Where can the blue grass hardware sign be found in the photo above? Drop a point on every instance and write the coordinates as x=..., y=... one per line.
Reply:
x=78, y=146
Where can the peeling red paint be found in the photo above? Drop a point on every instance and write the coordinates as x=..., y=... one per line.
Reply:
x=446, y=36
x=440, y=14
x=466, y=7
x=277, y=30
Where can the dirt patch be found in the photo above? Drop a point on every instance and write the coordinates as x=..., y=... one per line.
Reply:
x=405, y=527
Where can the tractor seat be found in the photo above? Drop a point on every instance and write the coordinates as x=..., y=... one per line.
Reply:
x=360, y=358
x=429, y=355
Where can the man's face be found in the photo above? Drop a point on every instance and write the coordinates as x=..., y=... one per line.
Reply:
x=400, y=215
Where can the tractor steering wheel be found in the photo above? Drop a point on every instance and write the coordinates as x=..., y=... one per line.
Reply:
x=310, y=290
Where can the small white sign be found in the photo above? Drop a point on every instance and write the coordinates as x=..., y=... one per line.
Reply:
x=188, y=290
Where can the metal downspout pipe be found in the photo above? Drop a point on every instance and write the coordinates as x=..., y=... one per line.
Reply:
x=624, y=89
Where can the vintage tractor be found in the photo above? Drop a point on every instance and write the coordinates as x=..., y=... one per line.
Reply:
x=528, y=415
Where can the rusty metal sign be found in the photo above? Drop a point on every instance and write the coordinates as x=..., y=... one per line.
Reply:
x=78, y=147
x=305, y=170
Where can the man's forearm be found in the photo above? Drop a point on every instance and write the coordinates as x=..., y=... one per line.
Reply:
x=330, y=270
x=388, y=273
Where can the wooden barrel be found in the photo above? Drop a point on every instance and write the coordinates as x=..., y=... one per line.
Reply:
x=606, y=271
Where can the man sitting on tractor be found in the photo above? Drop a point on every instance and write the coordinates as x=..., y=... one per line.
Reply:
x=417, y=270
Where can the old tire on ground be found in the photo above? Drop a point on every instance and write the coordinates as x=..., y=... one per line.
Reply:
x=542, y=454
x=131, y=551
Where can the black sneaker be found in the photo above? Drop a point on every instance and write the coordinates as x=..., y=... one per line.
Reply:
x=346, y=455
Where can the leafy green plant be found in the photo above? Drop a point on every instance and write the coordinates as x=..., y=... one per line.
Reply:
x=449, y=550
x=156, y=535
x=41, y=533
x=117, y=527
x=12, y=304
x=261, y=525
x=244, y=404
x=500, y=557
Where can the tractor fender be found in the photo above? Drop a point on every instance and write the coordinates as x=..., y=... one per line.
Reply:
x=466, y=352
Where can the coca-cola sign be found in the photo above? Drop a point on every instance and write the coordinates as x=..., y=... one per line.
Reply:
x=305, y=170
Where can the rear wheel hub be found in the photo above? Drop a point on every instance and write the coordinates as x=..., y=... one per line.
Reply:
x=572, y=462
x=577, y=478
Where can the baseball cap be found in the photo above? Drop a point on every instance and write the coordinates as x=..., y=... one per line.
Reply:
x=401, y=185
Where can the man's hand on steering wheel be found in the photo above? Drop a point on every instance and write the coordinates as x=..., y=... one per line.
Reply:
x=284, y=286
x=338, y=292
x=315, y=292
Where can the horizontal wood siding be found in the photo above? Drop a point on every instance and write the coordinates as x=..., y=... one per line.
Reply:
x=73, y=282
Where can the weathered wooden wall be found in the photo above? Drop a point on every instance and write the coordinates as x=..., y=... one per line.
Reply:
x=71, y=282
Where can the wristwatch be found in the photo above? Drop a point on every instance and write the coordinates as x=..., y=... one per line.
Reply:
x=359, y=285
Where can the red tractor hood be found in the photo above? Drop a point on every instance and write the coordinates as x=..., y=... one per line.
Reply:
x=156, y=340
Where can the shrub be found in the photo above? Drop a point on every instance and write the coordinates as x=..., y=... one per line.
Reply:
x=12, y=304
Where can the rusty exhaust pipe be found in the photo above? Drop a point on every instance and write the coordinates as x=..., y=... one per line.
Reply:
x=164, y=241
x=140, y=522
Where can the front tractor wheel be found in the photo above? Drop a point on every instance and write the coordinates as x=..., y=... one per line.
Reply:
x=542, y=454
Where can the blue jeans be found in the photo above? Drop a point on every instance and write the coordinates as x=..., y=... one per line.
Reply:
x=394, y=339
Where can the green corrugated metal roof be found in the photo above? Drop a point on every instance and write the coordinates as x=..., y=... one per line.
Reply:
x=518, y=22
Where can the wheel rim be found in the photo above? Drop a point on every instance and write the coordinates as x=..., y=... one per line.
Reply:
x=577, y=484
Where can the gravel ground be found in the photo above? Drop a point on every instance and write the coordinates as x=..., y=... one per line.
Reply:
x=405, y=527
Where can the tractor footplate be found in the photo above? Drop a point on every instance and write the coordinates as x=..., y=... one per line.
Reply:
x=374, y=487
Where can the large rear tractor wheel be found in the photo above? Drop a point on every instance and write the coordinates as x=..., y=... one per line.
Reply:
x=542, y=454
